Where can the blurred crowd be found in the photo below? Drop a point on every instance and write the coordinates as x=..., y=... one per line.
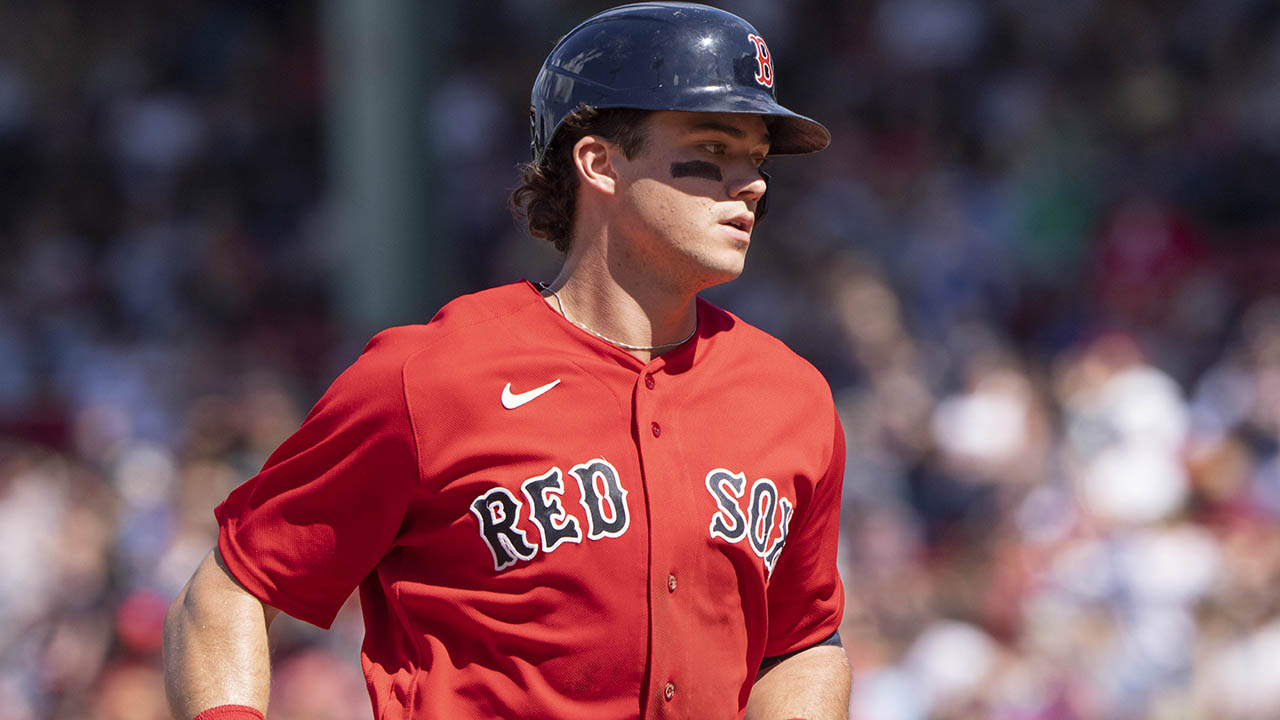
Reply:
x=1036, y=264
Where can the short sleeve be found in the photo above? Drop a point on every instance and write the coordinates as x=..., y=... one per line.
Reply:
x=305, y=531
x=805, y=595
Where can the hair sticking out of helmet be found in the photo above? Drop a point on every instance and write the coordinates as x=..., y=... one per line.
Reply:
x=548, y=190
x=666, y=56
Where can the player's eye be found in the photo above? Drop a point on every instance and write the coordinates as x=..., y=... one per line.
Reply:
x=712, y=148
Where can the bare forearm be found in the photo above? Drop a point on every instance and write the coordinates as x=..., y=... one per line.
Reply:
x=215, y=645
x=813, y=685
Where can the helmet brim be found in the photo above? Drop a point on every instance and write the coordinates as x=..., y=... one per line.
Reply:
x=793, y=134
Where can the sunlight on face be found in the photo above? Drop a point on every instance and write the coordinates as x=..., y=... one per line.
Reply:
x=686, y=202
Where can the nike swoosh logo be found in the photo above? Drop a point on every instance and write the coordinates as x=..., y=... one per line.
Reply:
x=511, y=400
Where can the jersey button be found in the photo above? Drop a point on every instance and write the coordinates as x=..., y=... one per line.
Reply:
x=671, y=583
x=648, y=381
x=656, y=428
x=669, y=691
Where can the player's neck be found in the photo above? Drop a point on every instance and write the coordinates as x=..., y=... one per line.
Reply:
x=647, y=316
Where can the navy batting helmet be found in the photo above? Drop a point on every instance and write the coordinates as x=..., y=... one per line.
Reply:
x=666, y=56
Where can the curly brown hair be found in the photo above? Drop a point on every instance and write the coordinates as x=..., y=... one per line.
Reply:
x=548, y=190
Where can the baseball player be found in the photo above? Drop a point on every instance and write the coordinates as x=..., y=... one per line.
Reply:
x=600, y=497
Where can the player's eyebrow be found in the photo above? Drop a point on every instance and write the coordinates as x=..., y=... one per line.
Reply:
x=730, y=130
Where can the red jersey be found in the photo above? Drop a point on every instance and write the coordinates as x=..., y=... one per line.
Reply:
x=542, y=525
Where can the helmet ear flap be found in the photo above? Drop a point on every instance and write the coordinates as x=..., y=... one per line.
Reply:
x=762, y=206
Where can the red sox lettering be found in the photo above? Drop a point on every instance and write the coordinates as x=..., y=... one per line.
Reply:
x=498, y=511
x=604, y=500
x=556, y=525
x=600, y=524
x=599, y=490
x=729, y=524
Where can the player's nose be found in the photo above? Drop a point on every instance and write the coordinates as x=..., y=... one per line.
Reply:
x=748, y=186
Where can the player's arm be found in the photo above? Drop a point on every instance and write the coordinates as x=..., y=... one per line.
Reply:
x=807, y=675
x=812, y=684
x=215, y=644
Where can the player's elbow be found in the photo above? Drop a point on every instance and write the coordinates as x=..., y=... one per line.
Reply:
x=184, y=607
x=215, y=643
x=172, y=619
x=175, y=648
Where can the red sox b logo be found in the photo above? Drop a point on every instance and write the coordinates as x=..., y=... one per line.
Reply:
x=764, y=63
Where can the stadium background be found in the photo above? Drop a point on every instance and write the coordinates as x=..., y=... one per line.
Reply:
x=1037, y=265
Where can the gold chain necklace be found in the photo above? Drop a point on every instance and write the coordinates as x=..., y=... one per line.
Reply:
x=625, y=346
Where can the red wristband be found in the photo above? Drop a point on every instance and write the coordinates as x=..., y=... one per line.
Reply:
x=230, y=712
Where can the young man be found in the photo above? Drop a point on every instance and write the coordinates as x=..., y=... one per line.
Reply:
x=597, y=498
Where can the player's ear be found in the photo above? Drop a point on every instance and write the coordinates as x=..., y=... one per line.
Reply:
x=593, y=158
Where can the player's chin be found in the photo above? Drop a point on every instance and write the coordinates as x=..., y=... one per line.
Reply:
x=725, y=267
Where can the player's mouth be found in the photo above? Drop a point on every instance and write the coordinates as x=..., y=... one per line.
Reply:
x=742, y=221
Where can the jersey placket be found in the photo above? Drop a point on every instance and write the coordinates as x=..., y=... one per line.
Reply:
x=658, y=446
